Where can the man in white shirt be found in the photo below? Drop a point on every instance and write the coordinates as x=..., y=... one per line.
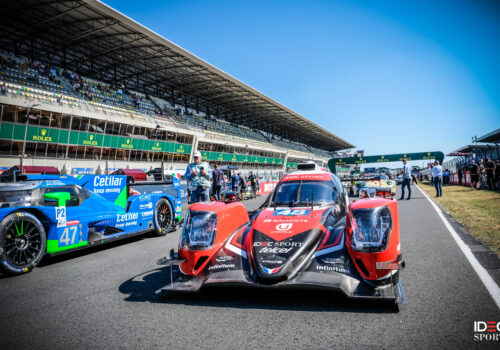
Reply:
x=406, y=180
x=437, y=178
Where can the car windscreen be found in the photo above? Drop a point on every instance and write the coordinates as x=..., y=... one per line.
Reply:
x=296, y=193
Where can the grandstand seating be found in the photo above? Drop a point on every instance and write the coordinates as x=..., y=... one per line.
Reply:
x=26, y=82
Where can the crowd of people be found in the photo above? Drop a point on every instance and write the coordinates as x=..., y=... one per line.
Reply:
x=201, y=179
x=485, y=171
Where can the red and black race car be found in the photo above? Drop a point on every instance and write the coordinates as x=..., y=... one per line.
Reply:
x=305, y=234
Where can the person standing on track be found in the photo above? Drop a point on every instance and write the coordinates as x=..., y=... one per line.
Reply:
x=218, y=182
x=437, y=178
x=252, y=178
x=235, y=182
x=406, y=180
x=198, y=175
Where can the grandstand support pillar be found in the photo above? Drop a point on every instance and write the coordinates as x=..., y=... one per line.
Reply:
x=102, y=144
x=194, y=146
x=70, y=128
x=285, y=161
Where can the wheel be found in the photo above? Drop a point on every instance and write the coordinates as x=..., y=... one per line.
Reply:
x=22, y=242
x=163, y=217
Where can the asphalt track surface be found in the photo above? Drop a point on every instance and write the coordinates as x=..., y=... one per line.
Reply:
x=104, y=298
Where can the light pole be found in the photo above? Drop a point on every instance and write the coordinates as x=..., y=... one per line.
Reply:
x=26, y=133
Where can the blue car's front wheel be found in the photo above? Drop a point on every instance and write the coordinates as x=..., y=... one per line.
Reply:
x=22, y=242
x=163, y=217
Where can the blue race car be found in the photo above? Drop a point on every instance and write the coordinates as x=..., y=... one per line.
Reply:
x=52, y=214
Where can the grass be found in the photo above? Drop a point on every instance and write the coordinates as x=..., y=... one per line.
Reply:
x=478, y=211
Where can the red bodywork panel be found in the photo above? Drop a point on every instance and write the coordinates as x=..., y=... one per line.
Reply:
x=230, y=217
x=390, y=254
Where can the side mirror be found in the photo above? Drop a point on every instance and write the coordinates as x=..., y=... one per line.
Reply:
x=60, y=197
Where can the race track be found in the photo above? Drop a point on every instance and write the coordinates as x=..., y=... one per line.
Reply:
x=104, y=298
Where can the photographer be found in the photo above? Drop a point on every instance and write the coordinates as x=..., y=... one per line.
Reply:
x=198, y=175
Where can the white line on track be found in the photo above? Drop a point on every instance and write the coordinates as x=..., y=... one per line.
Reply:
x=484, y=276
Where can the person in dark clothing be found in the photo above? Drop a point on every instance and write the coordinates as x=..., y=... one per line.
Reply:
x=252, y=178
x=474, y=174
x=218, y=182
x=235, y=182
x=243, y=186
x=481, y=171
x=497, y=174
x=490, y=174
x=460, y=175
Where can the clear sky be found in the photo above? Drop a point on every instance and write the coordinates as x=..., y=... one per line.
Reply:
x=387, y=76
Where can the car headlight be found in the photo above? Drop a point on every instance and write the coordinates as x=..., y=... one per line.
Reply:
x=370, y=229
x=389, y=182
x=199, y=230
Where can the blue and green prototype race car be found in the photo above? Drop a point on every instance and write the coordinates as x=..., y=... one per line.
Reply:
x=47, y=214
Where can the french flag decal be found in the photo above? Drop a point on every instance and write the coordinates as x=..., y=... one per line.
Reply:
x=271, y=271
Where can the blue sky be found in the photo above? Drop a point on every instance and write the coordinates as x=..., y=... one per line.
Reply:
x=387, y=76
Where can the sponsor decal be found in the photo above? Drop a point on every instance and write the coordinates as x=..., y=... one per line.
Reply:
x=146, y=206
x=292, y=212
x=224, y=258
x=144, y=197
x=147, y=213
x=332, y=268
x=271, y=261
x=127, y=217
x=13, y=268
x=104, y=181
x=287, y=220
x=60, y=216
x=221, y=266
x=284, y=227
x=275, y=250
x=333, y=261
x=278, y=244
x=486, y=331
x=72, y=222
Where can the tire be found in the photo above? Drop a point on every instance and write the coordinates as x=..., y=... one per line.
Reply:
x=163, y=217
x=23, y=243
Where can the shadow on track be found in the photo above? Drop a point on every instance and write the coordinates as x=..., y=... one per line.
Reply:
x=141, y=288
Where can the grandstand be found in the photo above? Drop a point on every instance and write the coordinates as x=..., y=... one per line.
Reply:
x=82, y=84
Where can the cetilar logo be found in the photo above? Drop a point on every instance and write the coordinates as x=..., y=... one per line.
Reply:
x=486, y=331
x=284, y=227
